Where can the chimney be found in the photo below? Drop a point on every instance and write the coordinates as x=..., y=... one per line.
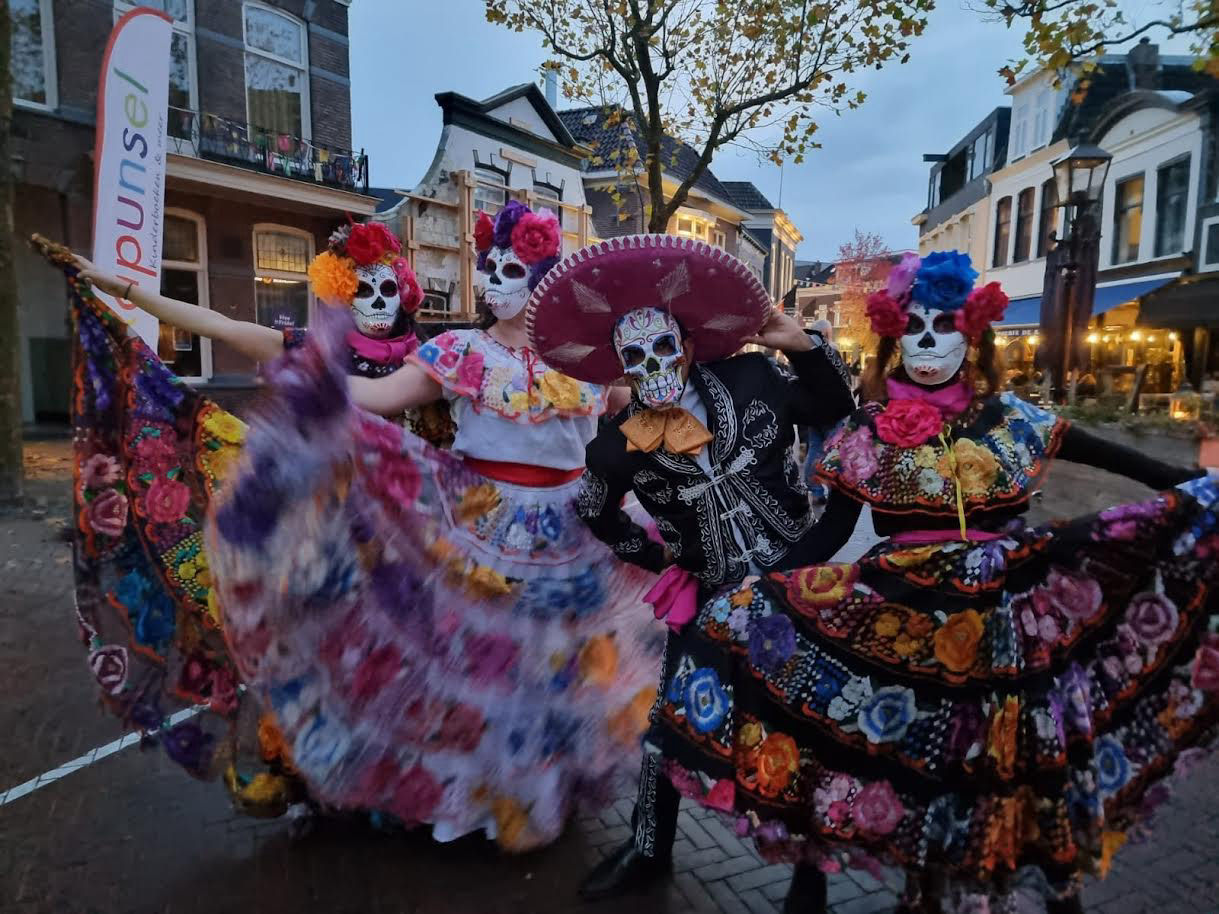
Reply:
x=551, y=82
x=1144, y=62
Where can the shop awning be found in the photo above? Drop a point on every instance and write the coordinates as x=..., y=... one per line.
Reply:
x=1190, y=301
x=1023, y=312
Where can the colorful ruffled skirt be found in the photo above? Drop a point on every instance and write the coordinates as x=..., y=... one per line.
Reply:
x=150, y=454
x=995, y=710
x=453, y=650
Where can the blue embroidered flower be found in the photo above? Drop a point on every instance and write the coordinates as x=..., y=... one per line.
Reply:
x=153, y=620
x=885, y=717
x=676, y=689
x=320, y=745
x=828, y=681
x=721, y=609
x=944, y=280
x=1113, y=770
x=772, y=641
x=131, y=590
x=706, y=702
x=550, y=524
x=559, y=734
x=189, y=746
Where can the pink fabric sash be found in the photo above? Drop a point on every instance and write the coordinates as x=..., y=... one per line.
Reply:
x=925, y=537
x=674, y=597
x=383, y=352
x=950, y=401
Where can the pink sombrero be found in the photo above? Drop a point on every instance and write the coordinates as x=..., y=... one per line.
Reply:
x=573, y=311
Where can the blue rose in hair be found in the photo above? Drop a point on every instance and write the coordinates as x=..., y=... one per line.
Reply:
x=944, y=280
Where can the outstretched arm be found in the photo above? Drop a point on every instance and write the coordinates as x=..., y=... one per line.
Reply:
x=253, y=340
x=1079, y=446
x=406, y=388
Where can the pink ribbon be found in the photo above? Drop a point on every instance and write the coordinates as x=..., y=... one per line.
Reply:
x=674, y=597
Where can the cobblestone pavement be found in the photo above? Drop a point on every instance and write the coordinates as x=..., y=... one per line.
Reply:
x=132, y=833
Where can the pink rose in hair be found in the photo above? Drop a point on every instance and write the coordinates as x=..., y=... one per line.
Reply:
x=887, y=316
x=536, y=237
x=901, y=277
x=408, y=285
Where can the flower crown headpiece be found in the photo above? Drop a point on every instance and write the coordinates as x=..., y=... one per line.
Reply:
x=943, y=280
x=535, y=238
x=365, y=244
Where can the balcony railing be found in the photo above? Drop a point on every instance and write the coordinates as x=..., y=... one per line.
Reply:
x=209, y=136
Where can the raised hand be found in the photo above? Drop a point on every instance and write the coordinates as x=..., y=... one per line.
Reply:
x=781, y=332
x=107, y=283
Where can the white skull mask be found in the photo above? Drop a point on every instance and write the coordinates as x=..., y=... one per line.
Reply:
x=932, y=346
x=505, y=283
x=377, y=300
x=648, y=342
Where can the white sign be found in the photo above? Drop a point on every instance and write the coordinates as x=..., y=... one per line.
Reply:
x=129, y=160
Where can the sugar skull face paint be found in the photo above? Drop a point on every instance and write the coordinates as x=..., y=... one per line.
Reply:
x=505, y=283
x=377, y=300
x=648, y=342
x=932, y=346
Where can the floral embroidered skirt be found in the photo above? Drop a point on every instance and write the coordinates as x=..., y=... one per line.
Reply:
x=992, y=709
x=150, y=453
x=448, y=649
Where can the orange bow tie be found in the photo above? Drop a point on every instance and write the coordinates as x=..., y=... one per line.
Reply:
x=680, y=432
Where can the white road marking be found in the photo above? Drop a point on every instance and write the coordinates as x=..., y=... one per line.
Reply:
x=94, y=755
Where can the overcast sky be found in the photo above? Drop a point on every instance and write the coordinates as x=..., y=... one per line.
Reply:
x=869, y=172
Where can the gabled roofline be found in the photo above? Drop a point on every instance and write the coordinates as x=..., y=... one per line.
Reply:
x=455, y=101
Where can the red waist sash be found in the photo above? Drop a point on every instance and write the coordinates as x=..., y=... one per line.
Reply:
x=522, y=474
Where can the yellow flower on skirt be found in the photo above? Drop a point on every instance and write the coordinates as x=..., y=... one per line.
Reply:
x=478, y=501
x=926, y=457
x=225, y=426
x=976, y=467
x=599, y=660
x=626, y=725
x=560, y=390
x=487, y=582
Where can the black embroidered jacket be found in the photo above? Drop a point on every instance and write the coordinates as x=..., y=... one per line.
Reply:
x=752, y=408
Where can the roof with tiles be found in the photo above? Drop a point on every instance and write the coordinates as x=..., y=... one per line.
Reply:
x=588, y=126
x=746, y=196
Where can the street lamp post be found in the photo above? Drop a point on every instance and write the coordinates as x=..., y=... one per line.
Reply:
x=1080, y=179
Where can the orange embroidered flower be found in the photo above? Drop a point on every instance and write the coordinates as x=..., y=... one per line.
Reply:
x=742, y=597
x=1110, y=843
x=477, y=501
x=334, y=278
x=512, y=824
x=976, y=466
x=906, y=646
x=907, y=558
x=487, y=582
x=956, y=642
x=778, y=760
x=626, y=726
x=918, y=626
x=599, y=660
x=271, y=744
x=888, y=625
x=824, y=585
x=1001, y=741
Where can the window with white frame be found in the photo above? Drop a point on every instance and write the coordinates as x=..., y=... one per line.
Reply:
x=693, y=227
x=183, y=74
x=276, y=71
x=32, y=66
x=184, y=277
x=1041, y=122
x=720, y=239
x=1172, y=205
x=1210, y=245
x=1127, y=219
x=281, y=282
x=1017, y=135
x=491, y=191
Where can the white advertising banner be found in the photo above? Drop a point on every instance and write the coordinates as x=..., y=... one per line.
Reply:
x=129, y=160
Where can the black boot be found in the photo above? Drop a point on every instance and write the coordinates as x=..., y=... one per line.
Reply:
x=1068, y=904
x=807, y=894
x=624, y=872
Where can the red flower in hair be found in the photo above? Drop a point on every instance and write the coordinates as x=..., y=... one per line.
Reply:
x=982, y=308
x=408, y=285
x=536, y=237
x=484, y=231
x=370, y=241
x=887, y=316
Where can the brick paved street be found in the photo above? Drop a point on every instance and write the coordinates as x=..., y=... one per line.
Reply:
x=132, y=833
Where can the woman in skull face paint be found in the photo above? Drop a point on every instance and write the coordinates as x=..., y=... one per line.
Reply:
x=437, y=633
x=989, y=706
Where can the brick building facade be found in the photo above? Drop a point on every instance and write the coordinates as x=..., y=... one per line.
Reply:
x=260, y=169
